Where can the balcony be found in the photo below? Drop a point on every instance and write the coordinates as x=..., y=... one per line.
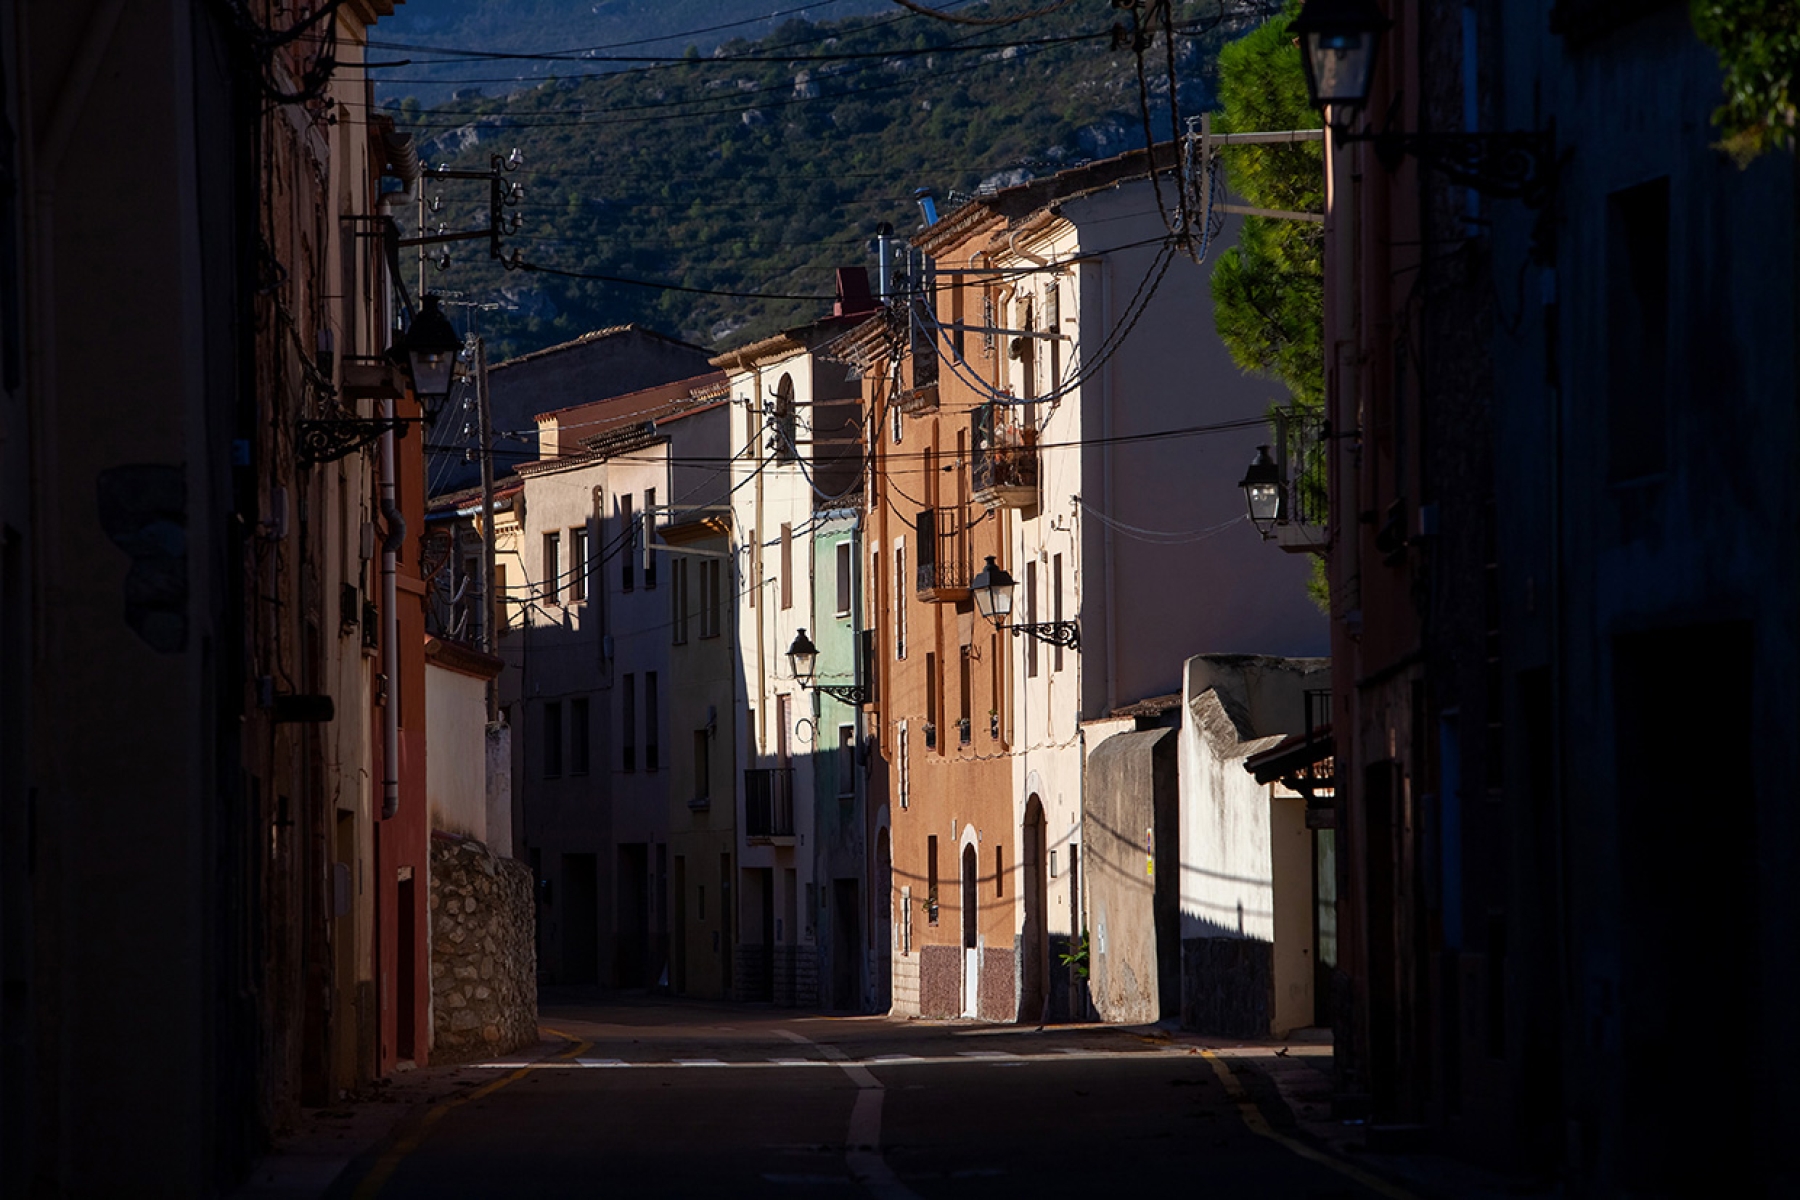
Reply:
x=943, y=572
x=1005, y=471
x=769, y=805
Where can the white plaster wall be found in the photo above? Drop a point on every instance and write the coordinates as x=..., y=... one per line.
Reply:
x=456, y=732
x=1227, y=872
x=765, y=495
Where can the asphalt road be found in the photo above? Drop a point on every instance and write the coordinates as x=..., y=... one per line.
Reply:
x=665, y=1098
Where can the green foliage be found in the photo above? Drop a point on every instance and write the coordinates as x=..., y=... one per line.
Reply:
x=1269, y=289
x=1758, y=43
x=1076, y=956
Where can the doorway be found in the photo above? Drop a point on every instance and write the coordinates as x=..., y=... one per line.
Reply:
x=580, y=919
x=678, y=946
x=846, y=945
x=884, y=922
x=970, y=934
x=631, y=965
x=1034, y=995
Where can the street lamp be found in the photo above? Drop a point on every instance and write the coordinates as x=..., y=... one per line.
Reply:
x=803, y=660
x=431, y=346
x=1263, y=491
x=1339, y=40
x=1338, y=43
x=993, y=589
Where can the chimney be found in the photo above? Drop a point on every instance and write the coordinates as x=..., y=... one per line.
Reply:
x=927, y=205
x=853, y=298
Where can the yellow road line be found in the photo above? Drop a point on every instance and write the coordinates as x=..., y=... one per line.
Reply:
x=377, y=1178
x=1259, y=1125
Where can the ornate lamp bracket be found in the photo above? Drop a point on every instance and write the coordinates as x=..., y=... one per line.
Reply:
x=1511, y=166
x=844, y=693
x=329, y=439
x=1058, y=633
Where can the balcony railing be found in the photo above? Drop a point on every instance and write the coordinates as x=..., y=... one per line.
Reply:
x=1005, y=471
x=943, y=571
x=769, y=802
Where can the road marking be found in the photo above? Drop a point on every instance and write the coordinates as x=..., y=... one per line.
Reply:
x=384, y=1167
x=990, y=1054
x=698, y=1062
x=1259, y=1125
x=862, y=1144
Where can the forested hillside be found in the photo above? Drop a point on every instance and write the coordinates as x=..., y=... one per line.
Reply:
x=591, y=28
x=755, y=170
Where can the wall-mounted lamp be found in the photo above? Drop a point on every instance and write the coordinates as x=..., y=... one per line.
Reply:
x=993, y=589
x=803, y=660
x=1265, y=491
x=1339, y=42
x=430, y=346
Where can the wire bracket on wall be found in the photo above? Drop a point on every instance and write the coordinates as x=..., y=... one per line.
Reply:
x=331, y=438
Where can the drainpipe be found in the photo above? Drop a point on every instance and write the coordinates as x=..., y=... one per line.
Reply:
x=390, y=623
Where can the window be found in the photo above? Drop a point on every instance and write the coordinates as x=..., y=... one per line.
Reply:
x=578, y=736
x=965, y=695
x=787, y=566
x=1031, y=616
x=784, y=721
x=846, y=760
x=678, y=606
x=497, y=612
x=906, y=920
x=646, y=528
x=702, y=765
x=1056, y=607
x=1637, y=330
x=844, y=564
x=931, y=692
x=652, y=751
x=553, y=568
x=578, y=564
x=628, y=724
x=553, y=739
x=756, y=579
x=899, y=425
x=999, y=870
x=786, y=425
x=627, y=539
x=1053, y=326
x=931, y=880
x=711, y=573
x=905, y=765
x=900, y=598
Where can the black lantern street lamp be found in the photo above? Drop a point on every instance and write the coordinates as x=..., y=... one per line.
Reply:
x=993, y=589
x=431, y=347
x=1264, y=490
x=803, y=659
x=1338, y=42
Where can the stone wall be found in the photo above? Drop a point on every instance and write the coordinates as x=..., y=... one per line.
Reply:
x=998, y=997
x=483, y=960
x=940, y=981
x=1228, y=986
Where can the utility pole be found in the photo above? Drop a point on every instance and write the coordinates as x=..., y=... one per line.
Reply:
x=490, y=618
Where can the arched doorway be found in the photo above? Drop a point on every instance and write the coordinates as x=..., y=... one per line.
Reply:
x=971, y=933
x=1034, y=993
x=883, y=938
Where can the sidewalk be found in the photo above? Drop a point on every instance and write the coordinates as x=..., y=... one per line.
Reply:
x=1290, y=1083
x=308, y=1158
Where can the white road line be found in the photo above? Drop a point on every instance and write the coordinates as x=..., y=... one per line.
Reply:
x=985, y=1054
x=862, y=1151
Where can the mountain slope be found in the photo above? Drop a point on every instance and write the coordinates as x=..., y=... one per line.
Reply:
x=762, y=168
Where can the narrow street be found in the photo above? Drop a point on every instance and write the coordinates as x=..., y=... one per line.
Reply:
x=668, y=1098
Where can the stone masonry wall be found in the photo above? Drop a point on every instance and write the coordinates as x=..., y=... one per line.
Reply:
x=483, y=960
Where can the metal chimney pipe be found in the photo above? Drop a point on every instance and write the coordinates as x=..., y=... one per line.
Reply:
x=927, y=205
x=884, y=251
